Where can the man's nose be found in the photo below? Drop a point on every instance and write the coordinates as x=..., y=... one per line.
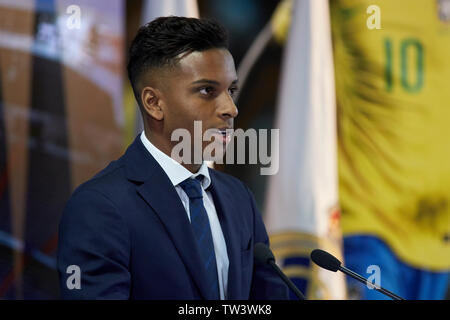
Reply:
x=228, y=108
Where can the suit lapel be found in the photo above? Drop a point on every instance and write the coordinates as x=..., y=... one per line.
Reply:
x=227, y=212
x=158, y=191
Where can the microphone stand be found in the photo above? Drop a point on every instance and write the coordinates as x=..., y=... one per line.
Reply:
x=287, y=280
x=363, y=280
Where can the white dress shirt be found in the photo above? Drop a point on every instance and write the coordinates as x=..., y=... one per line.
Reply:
x=177, y=174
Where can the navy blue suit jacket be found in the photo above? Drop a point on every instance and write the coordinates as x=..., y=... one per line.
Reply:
x=128, y=232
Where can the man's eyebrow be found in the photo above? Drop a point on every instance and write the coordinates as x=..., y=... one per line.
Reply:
x=213, y=82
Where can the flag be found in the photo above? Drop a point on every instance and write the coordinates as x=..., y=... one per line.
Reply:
x=301, y=211
x=157, y=8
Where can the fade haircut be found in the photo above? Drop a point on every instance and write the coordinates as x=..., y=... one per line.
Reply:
x=160, y=43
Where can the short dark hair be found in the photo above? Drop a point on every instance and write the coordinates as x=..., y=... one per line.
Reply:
x=159, y=43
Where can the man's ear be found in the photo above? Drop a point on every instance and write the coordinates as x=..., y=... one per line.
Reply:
x=151, y=102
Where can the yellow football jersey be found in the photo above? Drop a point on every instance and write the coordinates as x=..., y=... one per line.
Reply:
x=392, y=66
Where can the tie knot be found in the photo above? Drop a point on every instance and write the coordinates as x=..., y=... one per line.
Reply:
x=192, y=187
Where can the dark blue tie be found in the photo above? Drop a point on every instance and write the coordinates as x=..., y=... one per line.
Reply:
x=202, y=231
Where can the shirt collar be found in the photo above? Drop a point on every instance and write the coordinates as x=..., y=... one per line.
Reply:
x=175, y=171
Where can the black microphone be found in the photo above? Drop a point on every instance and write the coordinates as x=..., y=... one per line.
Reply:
x=263, y=255
x=328, y=261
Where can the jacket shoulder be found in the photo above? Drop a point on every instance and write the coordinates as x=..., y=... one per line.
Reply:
x=105, y=181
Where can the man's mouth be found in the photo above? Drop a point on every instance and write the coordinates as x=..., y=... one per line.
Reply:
x=225, y=134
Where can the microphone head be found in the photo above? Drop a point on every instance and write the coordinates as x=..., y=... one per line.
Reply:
x=262, y=253
x=325, y=260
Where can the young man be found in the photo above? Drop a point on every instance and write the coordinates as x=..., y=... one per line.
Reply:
x=148, y=227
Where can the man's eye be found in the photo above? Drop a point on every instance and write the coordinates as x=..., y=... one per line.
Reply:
x=206, y=91
x=232, y=91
